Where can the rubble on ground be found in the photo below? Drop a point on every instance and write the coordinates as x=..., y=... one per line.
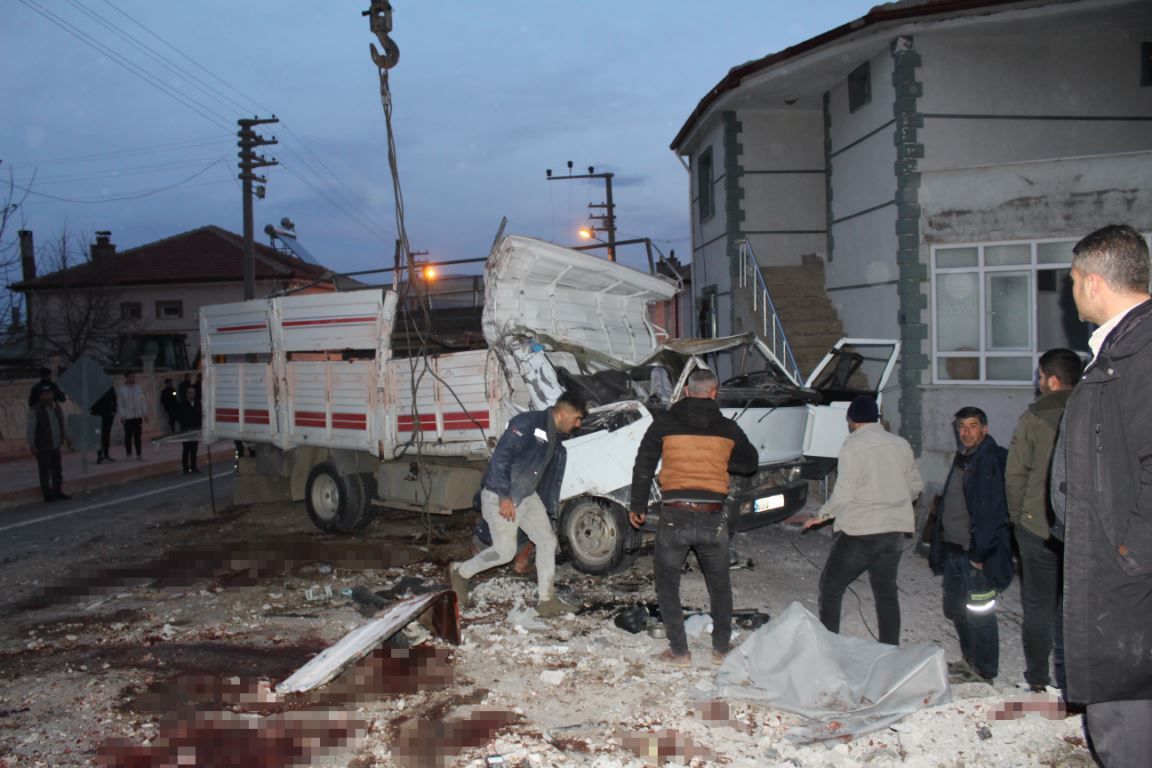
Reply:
x=147, y=667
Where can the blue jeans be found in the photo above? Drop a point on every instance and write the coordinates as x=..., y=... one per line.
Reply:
x=979, y=633
x=879, y=555
x=679, y=531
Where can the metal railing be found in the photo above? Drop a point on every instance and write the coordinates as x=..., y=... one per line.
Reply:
x=771, y=331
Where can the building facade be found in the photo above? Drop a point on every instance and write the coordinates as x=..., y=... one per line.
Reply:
x=151, y=294
x=940, y=159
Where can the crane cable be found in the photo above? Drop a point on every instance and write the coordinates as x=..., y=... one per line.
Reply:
x=380, y=23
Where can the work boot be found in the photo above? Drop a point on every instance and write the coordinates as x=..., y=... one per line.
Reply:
x=459, y=584
x=553, y=607
x=718, y=655
x=676, y=659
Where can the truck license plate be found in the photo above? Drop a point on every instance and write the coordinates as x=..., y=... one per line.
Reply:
x=770, y=502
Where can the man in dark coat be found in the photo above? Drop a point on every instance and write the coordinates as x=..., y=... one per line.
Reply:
x=1104, y=456
x=971, y=547
x=189, y=417
x=106, y=409
x=46, y=436
x=169, y=400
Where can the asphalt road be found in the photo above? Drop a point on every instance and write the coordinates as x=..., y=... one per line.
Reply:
x=51, y=529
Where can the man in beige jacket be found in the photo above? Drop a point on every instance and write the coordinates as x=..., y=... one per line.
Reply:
x=877, y=483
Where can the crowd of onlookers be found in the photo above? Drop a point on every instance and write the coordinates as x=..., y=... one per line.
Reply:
x=48, y=434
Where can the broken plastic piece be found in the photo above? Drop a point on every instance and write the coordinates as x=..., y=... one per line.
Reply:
x=318, y=593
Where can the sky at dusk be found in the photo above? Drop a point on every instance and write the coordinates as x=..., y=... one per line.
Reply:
x=487, y=95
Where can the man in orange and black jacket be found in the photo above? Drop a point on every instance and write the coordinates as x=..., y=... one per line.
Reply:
x=700, y=448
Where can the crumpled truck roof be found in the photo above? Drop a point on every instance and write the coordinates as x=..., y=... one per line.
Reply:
x=535, y=287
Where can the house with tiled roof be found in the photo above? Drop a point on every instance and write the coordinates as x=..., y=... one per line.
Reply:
x=151, y=293
x=922, y=173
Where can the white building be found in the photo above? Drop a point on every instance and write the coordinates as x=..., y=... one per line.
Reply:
x=938, y=158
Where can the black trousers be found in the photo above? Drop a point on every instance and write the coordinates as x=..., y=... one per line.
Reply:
x=51, y=473
x=679, y=531
x=188, y=455
x=1040, y=590
x=879, y=555
x=133, y=428
x=106, y=420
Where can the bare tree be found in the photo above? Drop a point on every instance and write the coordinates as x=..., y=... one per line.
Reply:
x=80, y=313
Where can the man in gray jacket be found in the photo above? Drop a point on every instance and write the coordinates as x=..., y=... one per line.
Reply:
x=1104, y=452
x=1026, y=488
x=876, y=485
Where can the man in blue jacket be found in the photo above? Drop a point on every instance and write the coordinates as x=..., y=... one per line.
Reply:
x=521, y=489
x=971, y=546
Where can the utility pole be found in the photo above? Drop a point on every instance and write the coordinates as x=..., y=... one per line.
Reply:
x=608, y=218
x=249, y=162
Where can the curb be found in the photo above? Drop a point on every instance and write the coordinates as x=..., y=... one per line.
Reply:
x=82, y=485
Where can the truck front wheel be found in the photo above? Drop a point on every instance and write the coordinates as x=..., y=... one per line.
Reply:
x=335, y=502
x=597, y=536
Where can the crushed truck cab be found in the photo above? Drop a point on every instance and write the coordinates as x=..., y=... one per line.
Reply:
x=339, y=421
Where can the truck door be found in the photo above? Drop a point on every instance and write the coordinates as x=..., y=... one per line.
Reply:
x=852, y=367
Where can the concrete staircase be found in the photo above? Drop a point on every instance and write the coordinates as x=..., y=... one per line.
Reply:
x=805, y=311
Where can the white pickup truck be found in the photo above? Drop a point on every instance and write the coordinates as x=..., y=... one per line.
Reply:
x=311, y=382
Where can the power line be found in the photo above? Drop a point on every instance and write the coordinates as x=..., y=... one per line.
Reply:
x=193, y=61
x=187, y=144
x=204, y=111
x=116, y=173
x=149, y=193
x=156, y=56
x=340, y=200
x=351, y=195
x=334, y=203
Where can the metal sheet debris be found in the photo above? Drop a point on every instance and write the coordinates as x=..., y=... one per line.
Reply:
x=354, y=645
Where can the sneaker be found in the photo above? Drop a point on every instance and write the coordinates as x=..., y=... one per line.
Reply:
x=718, y=656
x=957, y=667
x=459, y=585
x=553, y=607
x=61, y=496
x=676, y=659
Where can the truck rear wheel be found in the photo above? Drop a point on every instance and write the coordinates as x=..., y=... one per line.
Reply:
x=335, y=502
x=597, y=536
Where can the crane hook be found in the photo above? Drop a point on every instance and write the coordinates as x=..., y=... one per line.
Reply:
x=380, y=22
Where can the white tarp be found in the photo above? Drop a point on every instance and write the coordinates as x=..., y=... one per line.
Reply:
x=845, y=685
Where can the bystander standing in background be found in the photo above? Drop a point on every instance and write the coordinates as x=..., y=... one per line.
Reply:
x=133, y=414
x=972, y=546
x=46, y=436
x=1026, y=488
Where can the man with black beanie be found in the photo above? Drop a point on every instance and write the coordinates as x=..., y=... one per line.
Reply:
x=877, y=483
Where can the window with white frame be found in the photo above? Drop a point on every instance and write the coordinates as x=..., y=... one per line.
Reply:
x=998, y=306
